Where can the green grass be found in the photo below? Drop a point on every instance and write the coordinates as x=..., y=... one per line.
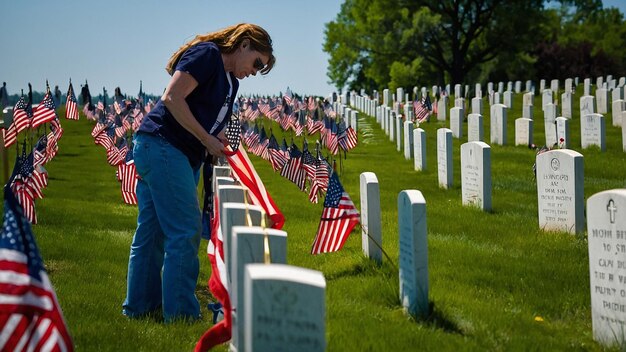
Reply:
x=490, y=274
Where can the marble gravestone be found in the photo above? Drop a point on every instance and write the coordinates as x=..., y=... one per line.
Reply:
x=546, y=98
x=476, y=175
x=248, y=246
x=475, y=130
x=400, y=131
x=624, y=131
x=371, y=226
x=602, y=100
x=498, y=124
x=593, y=131
x=508, y=99
x=550, y=114
x=606, y=233
x=413, y=253
x=617, y=107
x=419, y=149
x=408, y=140
x=523, y=131
x=477, y=105
x=444, y=158
x=442, y=108
x=587, y=105
x=566, y=104
x=562, y=132
x=456, y=121
x=285, y=308
x=560, y=198
x=236, y=214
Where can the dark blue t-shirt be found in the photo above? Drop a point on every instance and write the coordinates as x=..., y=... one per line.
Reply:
x=204, y=63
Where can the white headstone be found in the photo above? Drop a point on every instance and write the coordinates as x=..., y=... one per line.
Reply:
x=508, y=99
x=248, y=244
x=587, y=86
x=624, y=131
x=528, y=86
x=560, y=190
x=399, y=94
x=419, y=149
x=475, y=131
x=523, y=131
x=456, y=121
x=569, y=85
x=562, y=132
x=458, y=91
x=566, y=104
x=489, y=87
x=617, y=93
x=444, y=157
x=371, y=228
x=550, y=114
x=602, y=100
x=527, y=111
x=587, y=105
x=593, y=131
x=496, y=98
x=285, y=308
x=606, y=233
x=236, y=214
x=617, y=107
x=413, y=253
x=393, y=117
x=442, y=108
x=500, y=88
x=528, y=99
x=546, y=98
x=408, y=140
x=477, y=106
x=498, y=124
x=554, y=85
x=518, y=87
x=400, y=130
x=542, y=85
x=476, y=175
x=478, y=90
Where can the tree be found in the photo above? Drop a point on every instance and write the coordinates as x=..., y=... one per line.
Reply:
x=447, y=39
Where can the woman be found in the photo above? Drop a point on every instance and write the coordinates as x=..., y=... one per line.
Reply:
x=170, y=145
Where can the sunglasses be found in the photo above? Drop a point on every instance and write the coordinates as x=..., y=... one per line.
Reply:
x=258, y=64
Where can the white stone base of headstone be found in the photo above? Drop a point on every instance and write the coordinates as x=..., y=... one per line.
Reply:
x=476, y=175
x=408, y=140
x=606, y=233
x=475, y=130
x=413, y=257
x=248, y=246
x=371, y=227
x=593, y=131
x=419, y=149
x=560, y=176
x=285, y=308
x=523, y=131
x=444, y=157
x=527, y=111
x=562, y=132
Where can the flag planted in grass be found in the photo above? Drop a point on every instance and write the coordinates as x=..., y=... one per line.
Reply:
x=339, y=217
x=71, y=105
x=30, y=315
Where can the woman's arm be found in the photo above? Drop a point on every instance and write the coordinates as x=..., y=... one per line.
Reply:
x=180, y=86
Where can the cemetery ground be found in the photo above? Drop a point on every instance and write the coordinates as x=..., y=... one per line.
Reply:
x=497, y=281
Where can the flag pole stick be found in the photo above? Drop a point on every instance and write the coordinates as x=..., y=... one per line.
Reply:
x=379, y=246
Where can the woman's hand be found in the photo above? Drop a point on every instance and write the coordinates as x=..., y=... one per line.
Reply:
x=214, y=146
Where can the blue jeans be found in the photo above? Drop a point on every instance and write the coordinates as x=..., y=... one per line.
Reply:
x=167, y=235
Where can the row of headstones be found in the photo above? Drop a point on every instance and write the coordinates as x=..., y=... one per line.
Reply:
x=275, y=306
x=556, y=128
x=569, y=84
x=559, y=182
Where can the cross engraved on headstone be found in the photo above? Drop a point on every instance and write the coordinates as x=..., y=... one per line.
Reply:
x=612, y=209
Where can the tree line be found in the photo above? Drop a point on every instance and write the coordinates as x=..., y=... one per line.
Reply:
x=376, y=44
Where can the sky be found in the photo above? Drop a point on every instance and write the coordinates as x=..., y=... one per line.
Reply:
x=115, y=43
x=118, y=43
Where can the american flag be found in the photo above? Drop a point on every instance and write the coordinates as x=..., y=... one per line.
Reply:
x=331, y=136
x=348, y=139
x=422, y=109
x=293, y=170
x=127, y=175
x=71, y=105
x=233, y=132
x=218, y=285
x=21, y=116
x=338, y=219
x=30, y=315
x=244, y=171
x=320, y=182
x=45, y=111
x=287, y=97
x=278, y=158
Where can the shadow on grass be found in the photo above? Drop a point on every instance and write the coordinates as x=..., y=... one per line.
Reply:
x=438, y=320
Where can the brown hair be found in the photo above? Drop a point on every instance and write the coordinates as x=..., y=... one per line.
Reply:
x=228, y=40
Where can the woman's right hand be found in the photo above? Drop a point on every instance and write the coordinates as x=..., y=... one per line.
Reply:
x=214, y=146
